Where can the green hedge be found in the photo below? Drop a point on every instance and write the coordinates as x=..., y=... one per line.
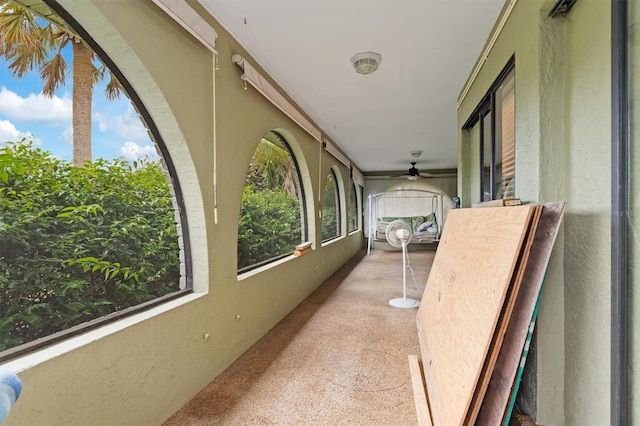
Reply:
x=79, y=243
x=270, y=225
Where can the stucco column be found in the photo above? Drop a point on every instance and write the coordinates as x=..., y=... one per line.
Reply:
x=550, y=339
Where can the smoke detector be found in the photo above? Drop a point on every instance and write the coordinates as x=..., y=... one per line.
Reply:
x=366, y=62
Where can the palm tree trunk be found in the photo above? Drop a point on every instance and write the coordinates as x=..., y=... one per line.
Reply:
x=289, y=185
x=82, y=97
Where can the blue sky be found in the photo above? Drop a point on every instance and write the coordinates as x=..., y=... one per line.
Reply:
x=24, y=112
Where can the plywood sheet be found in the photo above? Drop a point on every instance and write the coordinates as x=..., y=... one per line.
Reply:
x=419, y=391
x=503, y=320
x=521, y=366
x=462, y=301
x=501, y=384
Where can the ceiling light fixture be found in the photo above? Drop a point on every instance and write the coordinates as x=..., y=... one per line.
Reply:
x=366, y=62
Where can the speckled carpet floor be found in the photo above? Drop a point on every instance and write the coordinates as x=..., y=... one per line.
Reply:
x=340, y=358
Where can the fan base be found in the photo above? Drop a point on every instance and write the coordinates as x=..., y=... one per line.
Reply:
x=404, y=303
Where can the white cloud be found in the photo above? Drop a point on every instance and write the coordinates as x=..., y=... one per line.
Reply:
x=9, y=133
x=35, y=108
x=67, y=135
x=132, y=151
x=128, y=126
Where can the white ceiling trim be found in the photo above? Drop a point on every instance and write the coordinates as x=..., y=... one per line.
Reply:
x=333, y=150
x=189, y=19
x=253, y=77
x=485, y=52
x=357, y=176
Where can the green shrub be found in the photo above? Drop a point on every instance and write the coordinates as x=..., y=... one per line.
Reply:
x=329, y=223
x=269, y=225
x=329, y=209
x=79, y=243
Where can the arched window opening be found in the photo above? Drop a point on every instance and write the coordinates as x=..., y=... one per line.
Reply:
x=352, y=209
x=272, y=214
x=331, y=208
x=94, y=229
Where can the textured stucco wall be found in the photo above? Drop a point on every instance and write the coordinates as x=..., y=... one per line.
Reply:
x=563, y=153
x=588, y=219
x=549, y=343
x=634, y=217
x=142, y=369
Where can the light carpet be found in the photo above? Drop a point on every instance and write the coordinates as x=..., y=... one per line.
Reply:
x=339, y=358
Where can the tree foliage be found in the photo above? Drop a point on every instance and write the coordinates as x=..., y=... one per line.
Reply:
x=28, y=42
x=269, y=225
x=329, y=209
x=80, y=243
x=270, y=219
x=268, y=166
x=352, y=207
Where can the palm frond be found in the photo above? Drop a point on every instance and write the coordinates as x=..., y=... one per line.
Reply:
x=24, y=43
x=114, y=88
x=53, y=74
x=97, y=74
x=27, y=42
x=18, y=26
x=61, y=38
x=24, y=60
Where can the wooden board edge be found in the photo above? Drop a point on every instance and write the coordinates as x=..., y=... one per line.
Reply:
x=504, y=318
x=465, y=403
x=472, y=404
x=503, y=387
x=419, y=392
x=523, y=360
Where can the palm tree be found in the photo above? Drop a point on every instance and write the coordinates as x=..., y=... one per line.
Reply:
x=27, y=41
x=271, y=168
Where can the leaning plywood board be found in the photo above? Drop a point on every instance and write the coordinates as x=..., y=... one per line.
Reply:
x=523, y=361
x=419, y=392
x=495, y=401
x=462, y=300
x=503, y=320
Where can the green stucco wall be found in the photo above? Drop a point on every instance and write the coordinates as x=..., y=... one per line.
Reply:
x=563, y=150
x=634, y=217
x=140, y=370
x=588, y=222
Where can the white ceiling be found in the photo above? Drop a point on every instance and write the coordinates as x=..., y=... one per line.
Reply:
x=428, y=49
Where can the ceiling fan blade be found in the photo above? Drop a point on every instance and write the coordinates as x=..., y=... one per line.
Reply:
x=400, y=176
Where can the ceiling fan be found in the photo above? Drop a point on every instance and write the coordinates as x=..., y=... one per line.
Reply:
x=414, y=173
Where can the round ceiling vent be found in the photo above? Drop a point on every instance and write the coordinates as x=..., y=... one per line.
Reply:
x=366, y=62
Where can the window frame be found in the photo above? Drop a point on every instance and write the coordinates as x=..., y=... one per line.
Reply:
x=486, y=106
x=353, y=193
x=179, y=207
x=338, y=205
x=361, y=210
x=304, y=223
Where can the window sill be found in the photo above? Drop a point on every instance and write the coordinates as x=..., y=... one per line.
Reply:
x=43, y=355
x=256, y=271
x=333, y=240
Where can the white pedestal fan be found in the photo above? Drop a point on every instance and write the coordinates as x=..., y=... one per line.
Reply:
x=399, y=234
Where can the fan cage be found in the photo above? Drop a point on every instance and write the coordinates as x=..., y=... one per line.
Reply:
x=393, y=228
